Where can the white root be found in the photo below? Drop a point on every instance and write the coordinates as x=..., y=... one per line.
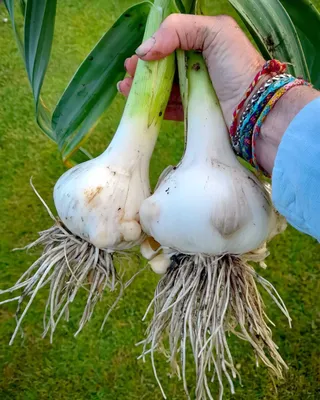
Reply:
x=67, y=263
x=201, y=299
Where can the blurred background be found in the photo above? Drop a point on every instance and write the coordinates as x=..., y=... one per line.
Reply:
x=104, y=365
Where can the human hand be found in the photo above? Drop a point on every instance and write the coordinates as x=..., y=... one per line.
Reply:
x=232, y=60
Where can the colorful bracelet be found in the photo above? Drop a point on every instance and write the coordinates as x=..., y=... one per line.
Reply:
x=271, y=66
x=243, y=135
x=242, y=140
x=265, y=112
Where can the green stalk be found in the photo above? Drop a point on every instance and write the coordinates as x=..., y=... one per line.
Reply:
x=153, y=79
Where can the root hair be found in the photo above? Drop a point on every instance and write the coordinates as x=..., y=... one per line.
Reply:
x=67, y=264
x=200, y=299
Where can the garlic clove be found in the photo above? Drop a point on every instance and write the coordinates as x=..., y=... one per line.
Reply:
x=131, y=230
x=160, y=264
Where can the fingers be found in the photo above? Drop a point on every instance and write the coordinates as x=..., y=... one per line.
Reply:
x=131, y=65
x=124, y=86
x=187, y=32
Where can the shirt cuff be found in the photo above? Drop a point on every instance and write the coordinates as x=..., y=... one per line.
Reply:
x=296, y=172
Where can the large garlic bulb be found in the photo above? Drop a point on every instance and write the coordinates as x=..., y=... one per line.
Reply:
x=209, y=216
x=210, y=203
x=100, y=199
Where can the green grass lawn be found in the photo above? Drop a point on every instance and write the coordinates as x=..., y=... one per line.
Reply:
x=104, y=365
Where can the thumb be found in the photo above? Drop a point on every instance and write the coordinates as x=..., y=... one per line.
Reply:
x=179, y=31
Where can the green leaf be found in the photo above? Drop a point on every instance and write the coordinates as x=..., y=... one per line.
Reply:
x=93, y=87
x=274, y=32
x=43, y=115
x=38, y=37
x=38, y=40
x=306, y=19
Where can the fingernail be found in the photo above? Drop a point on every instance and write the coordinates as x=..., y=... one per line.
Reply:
x=125, y=63
x=118, y=86
x=146, y=46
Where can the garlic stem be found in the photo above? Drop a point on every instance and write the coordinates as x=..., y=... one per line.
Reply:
x=153, y=79
x=208, y=137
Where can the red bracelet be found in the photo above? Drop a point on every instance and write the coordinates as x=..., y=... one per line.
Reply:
x=270, y=66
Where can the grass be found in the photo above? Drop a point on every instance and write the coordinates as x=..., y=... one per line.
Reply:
x=104, y=365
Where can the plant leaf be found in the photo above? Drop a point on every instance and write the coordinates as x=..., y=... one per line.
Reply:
x=42, y=114
x=38, y=37
x=93, y=87
x=306, y=19
x=274, y=32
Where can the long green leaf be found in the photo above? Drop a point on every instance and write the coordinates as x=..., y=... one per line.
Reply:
x=93, y=87
x=306, y=19
x=37, y=62
x=274, y=32
x=38, y=37
x=43, y=116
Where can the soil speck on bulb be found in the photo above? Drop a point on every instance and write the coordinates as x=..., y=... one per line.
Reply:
x=90, y=194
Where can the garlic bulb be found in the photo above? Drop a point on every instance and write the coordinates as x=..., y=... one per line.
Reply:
x=211, y=216
x=99, y=200
x=210, y=203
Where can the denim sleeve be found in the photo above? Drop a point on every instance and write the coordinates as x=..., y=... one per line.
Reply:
x=296, y=172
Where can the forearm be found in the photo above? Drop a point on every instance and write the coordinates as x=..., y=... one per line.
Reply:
x=278, y=121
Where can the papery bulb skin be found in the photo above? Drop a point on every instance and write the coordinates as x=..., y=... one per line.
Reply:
x=210, y=210
x=149, y=248
x=99, y=200
x=210, y=203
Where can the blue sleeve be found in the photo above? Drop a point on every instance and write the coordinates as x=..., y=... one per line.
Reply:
x=296, y=172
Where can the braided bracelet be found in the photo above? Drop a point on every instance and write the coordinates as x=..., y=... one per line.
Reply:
x=272, y=102
x=242, y=140
x=271, y=66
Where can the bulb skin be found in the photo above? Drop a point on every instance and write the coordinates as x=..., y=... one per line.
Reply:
x=210, y=209
x=99, y=200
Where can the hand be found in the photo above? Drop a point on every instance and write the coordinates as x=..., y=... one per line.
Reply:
x=232, y=60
